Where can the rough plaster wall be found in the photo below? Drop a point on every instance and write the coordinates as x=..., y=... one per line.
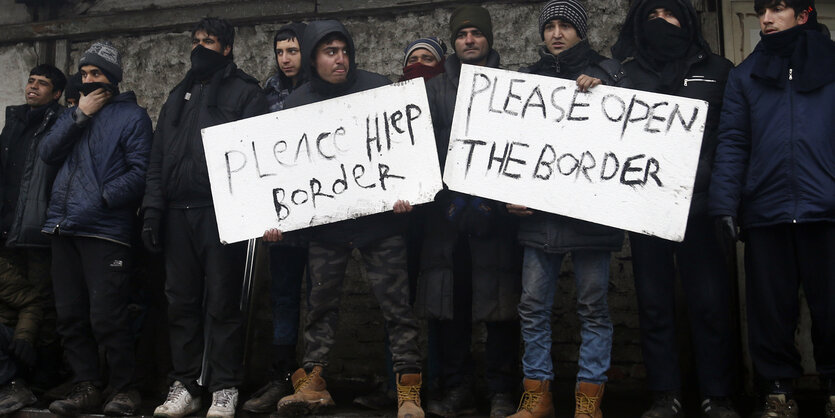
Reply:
x=15, y=63
x=13, y=13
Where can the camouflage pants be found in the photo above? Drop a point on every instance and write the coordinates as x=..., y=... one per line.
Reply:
x=385, y=263
x=29, y=267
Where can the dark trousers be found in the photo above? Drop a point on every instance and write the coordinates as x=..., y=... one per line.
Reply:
x=778, y=260
x=707, y=292
x=203, y=275
x=287, y=266
x=91, y=279
x=8, y=367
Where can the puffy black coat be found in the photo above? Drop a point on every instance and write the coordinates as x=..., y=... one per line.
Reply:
x=178, y=176
x=556, y=233
x=36, y=179
x=775, y=162
x=100, y=183
x=367, y=229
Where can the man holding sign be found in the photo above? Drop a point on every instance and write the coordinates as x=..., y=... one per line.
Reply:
x=328, y=58
x=548, y=237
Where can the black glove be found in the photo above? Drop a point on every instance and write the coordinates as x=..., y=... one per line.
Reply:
x=151, y=229
x=23, y=351
x=727, y=233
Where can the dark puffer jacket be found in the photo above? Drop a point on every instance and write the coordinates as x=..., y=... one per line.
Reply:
x=705, y=75
x=100, y=183
x=29, y=212
x=367, y=229
x=559, y=234
x=775, y=162
x=178, y=176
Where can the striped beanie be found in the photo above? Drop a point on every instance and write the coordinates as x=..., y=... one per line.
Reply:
x=431, y=44
x=570, y=11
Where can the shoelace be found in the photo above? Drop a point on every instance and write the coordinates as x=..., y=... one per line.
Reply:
x=529, y=400
x=407, y=393
x=175, y=393
x=585, y=404
x=222, y=398
x=304, y=381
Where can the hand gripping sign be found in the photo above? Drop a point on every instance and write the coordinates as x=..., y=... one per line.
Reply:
x=337, y=159
x=612, y=156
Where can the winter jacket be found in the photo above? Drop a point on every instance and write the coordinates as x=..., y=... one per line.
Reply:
x=705, y=75
x=278, y=87
x=178, y=176
x=555, y=233
x=32, y=197
x=102, y=175
x=367, y=229
x=490, y=230
x=775, y=162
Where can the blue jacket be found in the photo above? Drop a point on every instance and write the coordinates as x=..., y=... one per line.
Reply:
x=102, y=177
x=775, y=162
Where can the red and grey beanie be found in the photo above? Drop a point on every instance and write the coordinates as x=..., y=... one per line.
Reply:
x=571, y=11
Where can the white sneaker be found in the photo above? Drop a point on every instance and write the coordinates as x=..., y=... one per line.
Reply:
x=179, y=403
x=224, y=402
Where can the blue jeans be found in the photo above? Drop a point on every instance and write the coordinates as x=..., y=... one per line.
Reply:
x=539, y=283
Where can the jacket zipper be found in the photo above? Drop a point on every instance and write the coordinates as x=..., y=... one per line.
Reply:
x=791, y=146
x=704, y=80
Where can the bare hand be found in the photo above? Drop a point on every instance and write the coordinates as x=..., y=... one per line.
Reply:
x=93, y=102
x=402, y=206
x=273, y=235
x=585, y=82
x=518, y=210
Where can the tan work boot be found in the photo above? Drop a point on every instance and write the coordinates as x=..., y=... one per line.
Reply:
x=588, y=397
x=408, y=396
x=536, y=401
x=311, y=394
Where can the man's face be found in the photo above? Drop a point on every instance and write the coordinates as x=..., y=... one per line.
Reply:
x=93, y=74
x=471, y=46
x=288, y=57
x=332, y=62
x=423, y=56
x=559, y=36
x=662, y=13
x=39, y=91
x=209, y=42
x=779, y=18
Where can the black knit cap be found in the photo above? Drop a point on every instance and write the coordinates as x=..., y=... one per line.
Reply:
x=104, y=55
x=471, y=17
x=571, y=11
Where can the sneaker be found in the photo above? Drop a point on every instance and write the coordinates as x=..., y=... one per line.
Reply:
x=778, y=405
x=502, y=405
x=15, y=395
x=311, y=394
x=123, y=404
x=830, y=407
x=719, y=407
x=224, y=402
x=83, y=398
x=664, y=405
x=178, y=403
x=457, y=401
x=264, y=401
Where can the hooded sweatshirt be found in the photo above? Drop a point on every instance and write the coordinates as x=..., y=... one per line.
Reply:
x=367, y=229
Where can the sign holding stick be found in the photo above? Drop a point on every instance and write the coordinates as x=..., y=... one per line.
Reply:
x=337, y=159
x=613, y=156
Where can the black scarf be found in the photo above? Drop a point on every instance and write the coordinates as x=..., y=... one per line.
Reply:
x=333, y=90
x=88, y=88
x=807, y=52
x=206, y=66
x=668, y=50
x=569, y=64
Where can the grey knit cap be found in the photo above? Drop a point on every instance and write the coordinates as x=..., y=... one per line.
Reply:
x=104, y=55
x=571, y=11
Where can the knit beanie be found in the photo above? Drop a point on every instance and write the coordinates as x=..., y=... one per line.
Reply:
x=104, y=55
x=570, y=11
x=431, y=44
x=471, y=16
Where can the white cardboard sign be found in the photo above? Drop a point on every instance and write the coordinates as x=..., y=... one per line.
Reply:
x=613, y=156
x=337, y=159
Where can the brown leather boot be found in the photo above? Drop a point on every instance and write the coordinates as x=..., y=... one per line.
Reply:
x=536, y=401
x=588, y=397
x=408, y=396
x=311, y=394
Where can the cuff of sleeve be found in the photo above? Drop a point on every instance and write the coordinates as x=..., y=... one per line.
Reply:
x=79, y=117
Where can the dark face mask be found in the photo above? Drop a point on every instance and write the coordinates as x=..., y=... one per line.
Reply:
x=666, y=42
x=87, y=88
x=204, y=61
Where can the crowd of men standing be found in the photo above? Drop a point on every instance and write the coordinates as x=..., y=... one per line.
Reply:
x=77, y=182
